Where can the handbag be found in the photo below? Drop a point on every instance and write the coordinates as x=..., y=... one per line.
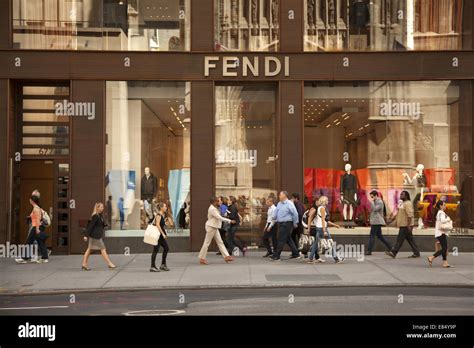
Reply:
x=152, y=234
x=305, y=242
x=446, y=225
x=325, y=244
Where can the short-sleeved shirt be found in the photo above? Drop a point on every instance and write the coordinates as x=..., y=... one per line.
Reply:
x=405, y=212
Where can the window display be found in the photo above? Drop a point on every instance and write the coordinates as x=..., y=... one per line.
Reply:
x=386, y=25
x=246, y=143
x=148, y=154
x=128, y=25
x=246, y=25
x=389, y=137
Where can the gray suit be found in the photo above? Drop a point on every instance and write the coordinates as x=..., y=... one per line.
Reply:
x=376, y=212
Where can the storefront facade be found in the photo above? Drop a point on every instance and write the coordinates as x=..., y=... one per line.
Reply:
x=125, y=102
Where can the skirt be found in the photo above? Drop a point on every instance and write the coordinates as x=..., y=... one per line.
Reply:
x=96, y=244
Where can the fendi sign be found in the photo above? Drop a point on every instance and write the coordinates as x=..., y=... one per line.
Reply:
x=245, y=66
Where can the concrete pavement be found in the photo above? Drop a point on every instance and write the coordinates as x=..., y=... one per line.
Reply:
x=63, y=273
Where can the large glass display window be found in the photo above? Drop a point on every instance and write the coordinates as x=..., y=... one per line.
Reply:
x=147, y=155
x=389, y=137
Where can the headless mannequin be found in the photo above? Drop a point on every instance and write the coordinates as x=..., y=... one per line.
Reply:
x=419, y=180
x=348, y=195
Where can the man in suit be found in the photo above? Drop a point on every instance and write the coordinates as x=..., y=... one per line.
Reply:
x=213, y=224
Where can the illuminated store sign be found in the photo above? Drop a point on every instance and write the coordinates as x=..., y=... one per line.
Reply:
x=246, y=66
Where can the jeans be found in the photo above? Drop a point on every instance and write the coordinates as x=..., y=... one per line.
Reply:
x=444, y=247
x=161, y=242
x=231, y=242
x=284, y=237
x=406, y=233
x=273, y=236
x=313, y=253
x=376, y=231
x=40, y=239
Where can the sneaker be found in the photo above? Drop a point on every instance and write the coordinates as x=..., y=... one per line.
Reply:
x=274, y=259
x=268, y=254
x=154, y=269
x=295, y=257
x=42, y=261
x=391, y=254
x=21, y=261
x=414, y=256
x=320, y=260
x=341, y=260
x=312, y=262
x=164, y=268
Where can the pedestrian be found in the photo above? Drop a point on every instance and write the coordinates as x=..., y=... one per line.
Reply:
x=377, y=220
x=213, y=223
x=298, y=231
x=121, y=209
x=223, y=209
x=404, y=221
x=232, y=243
x=94, y=234
x=286, y=217
x=443, y=225
x=36, y=232
x=322, y=222
x=159, y=221
x=270, y=230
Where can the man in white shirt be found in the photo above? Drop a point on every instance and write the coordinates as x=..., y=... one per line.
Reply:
x=213, y=224
x=270, y=229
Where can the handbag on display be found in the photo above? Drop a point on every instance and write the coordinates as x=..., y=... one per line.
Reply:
x=152, y=234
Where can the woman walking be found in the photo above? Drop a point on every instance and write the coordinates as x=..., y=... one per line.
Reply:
x=321, y=214
x=160, y=223
x=94, y=234
x=442, y=226
x=213, y=223
x=232, y=243
x=35, y=232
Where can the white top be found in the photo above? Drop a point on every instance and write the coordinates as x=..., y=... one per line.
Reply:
x=214, y=218
x=270, y=221
x=318, y=217
x=441, y=217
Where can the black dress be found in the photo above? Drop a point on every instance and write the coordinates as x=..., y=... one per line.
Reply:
x=348, y=188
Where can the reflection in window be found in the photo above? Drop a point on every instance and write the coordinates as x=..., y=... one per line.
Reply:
x=246, y=144
x=386, y=25
x=246, y=25
x=121, y=25
x=148, y=154
x=413, y=136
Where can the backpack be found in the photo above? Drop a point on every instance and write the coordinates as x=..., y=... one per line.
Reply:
x=45, y=219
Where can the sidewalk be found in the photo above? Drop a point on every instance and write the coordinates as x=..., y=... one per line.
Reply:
x=63, y=273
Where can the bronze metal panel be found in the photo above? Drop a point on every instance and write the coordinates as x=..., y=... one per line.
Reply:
x=87, y=158
x=291, y=30
x=292, y=173
x=190, y=66
x=5, y=24
x=202, y=158
x=4, y=187
x=202, y=25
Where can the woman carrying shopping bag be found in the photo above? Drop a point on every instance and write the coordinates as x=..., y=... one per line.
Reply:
x=159, y=222
x=443, y=225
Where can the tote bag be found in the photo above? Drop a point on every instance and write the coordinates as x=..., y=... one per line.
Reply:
x=152, y=234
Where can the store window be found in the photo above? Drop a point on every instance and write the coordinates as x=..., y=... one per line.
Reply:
x=246, y=25
x=387, y=25
x=147, y=155
x=389, y=137
x=118, y=25
x=246, y=145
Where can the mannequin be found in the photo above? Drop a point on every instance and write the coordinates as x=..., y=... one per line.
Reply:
x=419, y=180
x=149, y=189
x=348, y=195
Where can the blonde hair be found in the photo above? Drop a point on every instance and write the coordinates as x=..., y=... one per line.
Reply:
x=96, y=206
x=323, y=200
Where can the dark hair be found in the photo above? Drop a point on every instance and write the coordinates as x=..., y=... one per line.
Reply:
x=407, y=195
x=35, y=200
x=285, y=193
x=439, y=204
x=315, y=203
x=374, y=193
x=295, y=195
x=213, y=199
x=233, y=199
x=160, y=205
